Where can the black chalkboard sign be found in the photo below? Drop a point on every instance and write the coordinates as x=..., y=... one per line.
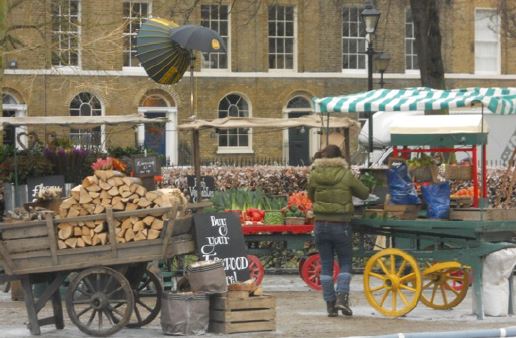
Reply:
x=146, y=166
x=219, y=237
x=35, y=184
x=207, y=187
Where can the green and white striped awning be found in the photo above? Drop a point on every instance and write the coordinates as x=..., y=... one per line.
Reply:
x=497, y=100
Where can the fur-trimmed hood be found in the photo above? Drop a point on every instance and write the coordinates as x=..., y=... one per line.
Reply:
x=330, y=162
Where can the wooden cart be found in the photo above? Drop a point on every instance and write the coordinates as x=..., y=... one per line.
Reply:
x=109, y=286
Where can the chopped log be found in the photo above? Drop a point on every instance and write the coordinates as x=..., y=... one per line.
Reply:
x=132, y=180
x=87, y=239
x=119, y=206
x=139, y=236
x=145, y=231
x=77, y=231
x=104, y=194
x=143, y=202
x=65, y=232
x=153, y=234
x=95, y=240
x=127, y=223
x=104, y=185
x=93, y=187
x=125, y=193
x=67, y=203
x=84, y=197
x=129, y=235
x=106, y=202
x=74, y=211
x=61, y=244
x=151, y=195
x=63, y=213
x=115, y=181
x=131, y=206
x=113, y=191
x=119, y=232
x=133, y=187
x=71, y=242
x=76, y=192
x=99, y=228
x=157, y=224
x=140, y=190
x=120, y=240
x=94, y=194
x=80, y=243
x=99, y=208
x=138, y=226
x=96, y=200
x=85, y=231
x=90, y=224
x=103, y=238
x=83, y=212
x=89, y=207
x=148, y=220
x=63, y=225
x=89, y=180
x=104, y=175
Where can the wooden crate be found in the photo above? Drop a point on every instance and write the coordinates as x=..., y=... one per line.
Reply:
x=488, y=214
x=237, y=312
x=295, y=220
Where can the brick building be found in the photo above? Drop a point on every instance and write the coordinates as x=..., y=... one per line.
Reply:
x=79, y=59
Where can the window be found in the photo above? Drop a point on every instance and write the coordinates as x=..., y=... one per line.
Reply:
x=281, y=37
x=353, y=39
x=85, y=104
x=65, y=32
x=487, y=45
x=135, y=13
x=9, y=132
x=233, y=105
x=411, y=61
x=216, y=17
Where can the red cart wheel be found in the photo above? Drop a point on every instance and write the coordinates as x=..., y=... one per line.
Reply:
x=311, y=271
x=256, y=269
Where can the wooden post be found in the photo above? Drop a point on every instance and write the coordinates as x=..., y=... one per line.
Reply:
x=49, y=218
x=32, y=314
x=197, y=162
x=111, y=232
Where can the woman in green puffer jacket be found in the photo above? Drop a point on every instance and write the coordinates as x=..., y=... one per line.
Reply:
x=331, y=186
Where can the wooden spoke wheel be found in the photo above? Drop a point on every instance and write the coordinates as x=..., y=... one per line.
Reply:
x=147, y=300
x=99, y=301
x=392, y=282
x=445, y=285
x=256, y=269
x=311, y=271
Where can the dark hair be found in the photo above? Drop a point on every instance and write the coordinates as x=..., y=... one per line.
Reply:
x=317, y=155
x=331, y=151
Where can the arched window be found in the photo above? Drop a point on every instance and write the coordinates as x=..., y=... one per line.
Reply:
x=299, y=103
x=86, y=104
x=235, y=139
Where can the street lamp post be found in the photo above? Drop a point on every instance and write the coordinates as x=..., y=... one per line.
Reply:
x=382, y=62
x=370, y=16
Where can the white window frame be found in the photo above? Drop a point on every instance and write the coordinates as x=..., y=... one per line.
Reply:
x=227, y=42
x=20, y=110
x=294, y=43
x=102, y=145
x=171, y=138
x=79, y=49
x=498, y=42
x=343, y=39
x=125, y=35
x=412, y=41
x=237, y=150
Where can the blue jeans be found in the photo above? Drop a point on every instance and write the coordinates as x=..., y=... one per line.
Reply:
x=334, y=238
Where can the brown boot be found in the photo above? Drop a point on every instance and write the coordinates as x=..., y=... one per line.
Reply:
x=332, y=310
x=343, y=304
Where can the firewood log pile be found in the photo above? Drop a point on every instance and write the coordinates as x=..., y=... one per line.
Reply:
x=111, y=189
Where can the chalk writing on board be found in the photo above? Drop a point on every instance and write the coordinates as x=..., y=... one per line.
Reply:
x=220, y=238
x=145, y=166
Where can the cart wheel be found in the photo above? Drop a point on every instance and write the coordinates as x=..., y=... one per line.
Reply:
x=99, y=301
x=311, y=271
x=392, y=282
x=444, y=285
x=256, y=269
x=147, y=300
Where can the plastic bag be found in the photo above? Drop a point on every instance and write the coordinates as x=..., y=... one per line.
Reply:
x=185, y=314
x=437, y=197
x=401, y=189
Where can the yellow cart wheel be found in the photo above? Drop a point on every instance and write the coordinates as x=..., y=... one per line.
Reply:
x=445, y=285
x=392, y=282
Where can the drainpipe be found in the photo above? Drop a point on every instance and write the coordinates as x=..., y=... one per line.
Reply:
x=486, y=333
